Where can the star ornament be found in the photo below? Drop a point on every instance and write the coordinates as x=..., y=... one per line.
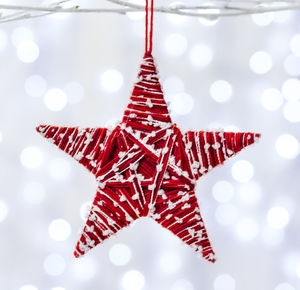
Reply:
x=146, y=167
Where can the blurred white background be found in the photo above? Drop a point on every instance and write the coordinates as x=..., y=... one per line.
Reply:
x=237, y=73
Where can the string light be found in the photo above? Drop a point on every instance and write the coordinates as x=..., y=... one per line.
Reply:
x=260, y=62
x=224, y=282
x=120, y=254
x=59, y=230
x=111, y=80
x=55, y=99
x=28, y=51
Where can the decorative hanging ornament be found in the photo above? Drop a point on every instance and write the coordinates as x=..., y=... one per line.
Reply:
x=146, y=167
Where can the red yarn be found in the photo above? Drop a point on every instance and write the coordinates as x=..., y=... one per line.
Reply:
x=146, y=167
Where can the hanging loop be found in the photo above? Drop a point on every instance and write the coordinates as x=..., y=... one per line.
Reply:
x=148, y=26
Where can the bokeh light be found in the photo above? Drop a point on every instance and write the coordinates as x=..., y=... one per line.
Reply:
x=292, y=65
x=181, y=103
x=295, y=44
x=260, y=62
x=169, y=262
x=74, y=92
x=247, y=229
x=59, y=230
x=28, y=51
x=287, y=146
x=223, y=191
x=226, y=214
x=54, y=264
x=224, y=282
x=120, y=254
x=3, y=40
x=28, y=287
x=284, y=286
x=242, y=170
x=278, y=217
x=35, y=86
x=291, y=89
x=133, y=280
x=263, y=19
x=55, y=99
x=221, y=91
x=175, y=44
x=200, y=55
x=21, y=34
x=34, y=192
x=111, y=80
x=291, y=111
x=272, y=237
x=249, y=193
x=271, y=99
x=59, y=168
x=182, y=284
x=31, y=157
x=173, y=85
x=3, y=210
x=85, y=269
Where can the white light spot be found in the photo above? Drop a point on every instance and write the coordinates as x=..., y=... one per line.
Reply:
x=200, y=55
x=210, y=20
x=295, y=45
x=263, y=19
x=3, y=211
x=55, y=99
x=291, y=89
x=282, y=16
x=249, y=193
x=221, y=91
x=59, y=169
x=35, y=86
x=260, y=62
x=272, y=237
x=74, y=92
x=54, y=265
x=28, y=287
x=175, y=44
x=28, y=51
x=284, y=286
x=85, y=209
x=246, y=229
x=231, y=128
x=287, y=146
x=291, y=111
x=120, y=254
x=226, y=214
x=58, y=288
x=173, y=85
x=85, y=269
x=292, y=65
x=21, y=34
x=133, y=280
x=290, y=263
x=3, y=40
x=59, y=230
x=135, y=16
x=31, y=157
x=176, y=19
x=278, y=217
x=223, y=191
x=271, y=99
x=182, y=284
x=242, y=171
x=169, y=262
x=34, y=192
x=181, y=103
x=224, y=282
x=111, y=80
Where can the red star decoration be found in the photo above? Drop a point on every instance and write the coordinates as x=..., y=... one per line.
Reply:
x=146, y=167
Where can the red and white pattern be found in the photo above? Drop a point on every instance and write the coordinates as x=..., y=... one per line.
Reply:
x=146, y=167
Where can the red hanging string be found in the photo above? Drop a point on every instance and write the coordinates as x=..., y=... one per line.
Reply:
x=151, y=26
x=148, y=35
x=146, y=26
